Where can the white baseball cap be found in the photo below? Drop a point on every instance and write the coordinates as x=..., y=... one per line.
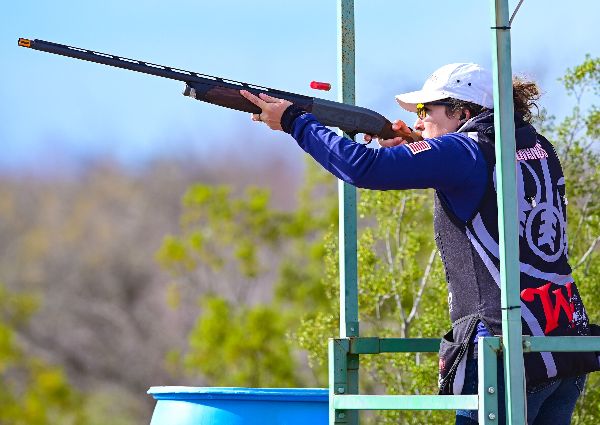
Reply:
x=464, y=81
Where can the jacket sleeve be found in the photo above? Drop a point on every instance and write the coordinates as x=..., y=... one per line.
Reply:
x=447, y=164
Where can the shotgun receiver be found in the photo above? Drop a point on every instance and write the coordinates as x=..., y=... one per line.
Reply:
x=226, y=92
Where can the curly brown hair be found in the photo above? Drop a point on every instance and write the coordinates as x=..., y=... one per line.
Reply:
x=525, y=95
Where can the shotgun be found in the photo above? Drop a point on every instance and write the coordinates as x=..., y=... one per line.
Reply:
x=225, y=92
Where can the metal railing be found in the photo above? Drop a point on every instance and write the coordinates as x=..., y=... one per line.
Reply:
x=343, y=404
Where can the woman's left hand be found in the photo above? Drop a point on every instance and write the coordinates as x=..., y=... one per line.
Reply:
x=397, y=125
x=272, y=108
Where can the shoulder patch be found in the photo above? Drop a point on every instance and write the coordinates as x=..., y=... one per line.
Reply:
x=537, y=152
x=418, y=147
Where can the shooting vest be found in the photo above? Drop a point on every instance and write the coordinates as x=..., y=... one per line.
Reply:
x=550, y=302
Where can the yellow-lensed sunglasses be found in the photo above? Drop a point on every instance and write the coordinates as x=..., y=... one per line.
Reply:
x=422, y=107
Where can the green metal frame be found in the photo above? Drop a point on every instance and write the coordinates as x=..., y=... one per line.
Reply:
x=344, y=352
x=344, y=403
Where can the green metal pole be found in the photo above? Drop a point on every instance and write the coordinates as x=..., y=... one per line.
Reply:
x=338, y=379
x=487, y=364
x=506, y=188
x=347, y=193
x=347, y=206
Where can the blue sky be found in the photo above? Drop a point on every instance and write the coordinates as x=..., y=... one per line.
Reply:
x=55, y=108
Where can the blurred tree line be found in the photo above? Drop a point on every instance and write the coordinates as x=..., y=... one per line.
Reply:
x=85, y=325
x=110, y=284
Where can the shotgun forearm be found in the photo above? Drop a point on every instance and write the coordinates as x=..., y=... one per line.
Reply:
x=350, y=119
x=225, y=92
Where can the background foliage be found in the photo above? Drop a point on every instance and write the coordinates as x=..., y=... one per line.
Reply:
x=576, y=140
x=111, y=284
x=32, y=391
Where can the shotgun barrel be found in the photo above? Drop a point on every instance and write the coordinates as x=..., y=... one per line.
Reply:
x=226, y=92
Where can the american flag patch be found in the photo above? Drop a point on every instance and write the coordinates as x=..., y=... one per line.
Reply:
x=418, y=147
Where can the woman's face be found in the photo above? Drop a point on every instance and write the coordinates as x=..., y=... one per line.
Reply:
x=436, y=123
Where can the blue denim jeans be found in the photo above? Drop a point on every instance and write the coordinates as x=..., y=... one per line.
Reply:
x=551, y=403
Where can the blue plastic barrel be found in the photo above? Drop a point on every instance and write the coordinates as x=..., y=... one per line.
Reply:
x=239, y=406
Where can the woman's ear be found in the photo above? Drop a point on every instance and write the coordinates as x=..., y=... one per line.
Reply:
x=465, y=115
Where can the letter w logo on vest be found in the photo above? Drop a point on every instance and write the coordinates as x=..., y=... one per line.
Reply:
x=551, y=310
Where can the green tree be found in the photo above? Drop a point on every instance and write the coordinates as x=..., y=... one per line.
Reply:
x=32, y=391
x=401, y=294
x=576, y=140
x=241, y=346
x=228, y=244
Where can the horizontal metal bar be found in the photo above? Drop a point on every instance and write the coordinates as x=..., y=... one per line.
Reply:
x=410, y=345
x=561, y=343
x=405, y=402
x=374, y=345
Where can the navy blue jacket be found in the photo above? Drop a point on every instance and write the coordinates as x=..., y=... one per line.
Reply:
x=454, y=165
